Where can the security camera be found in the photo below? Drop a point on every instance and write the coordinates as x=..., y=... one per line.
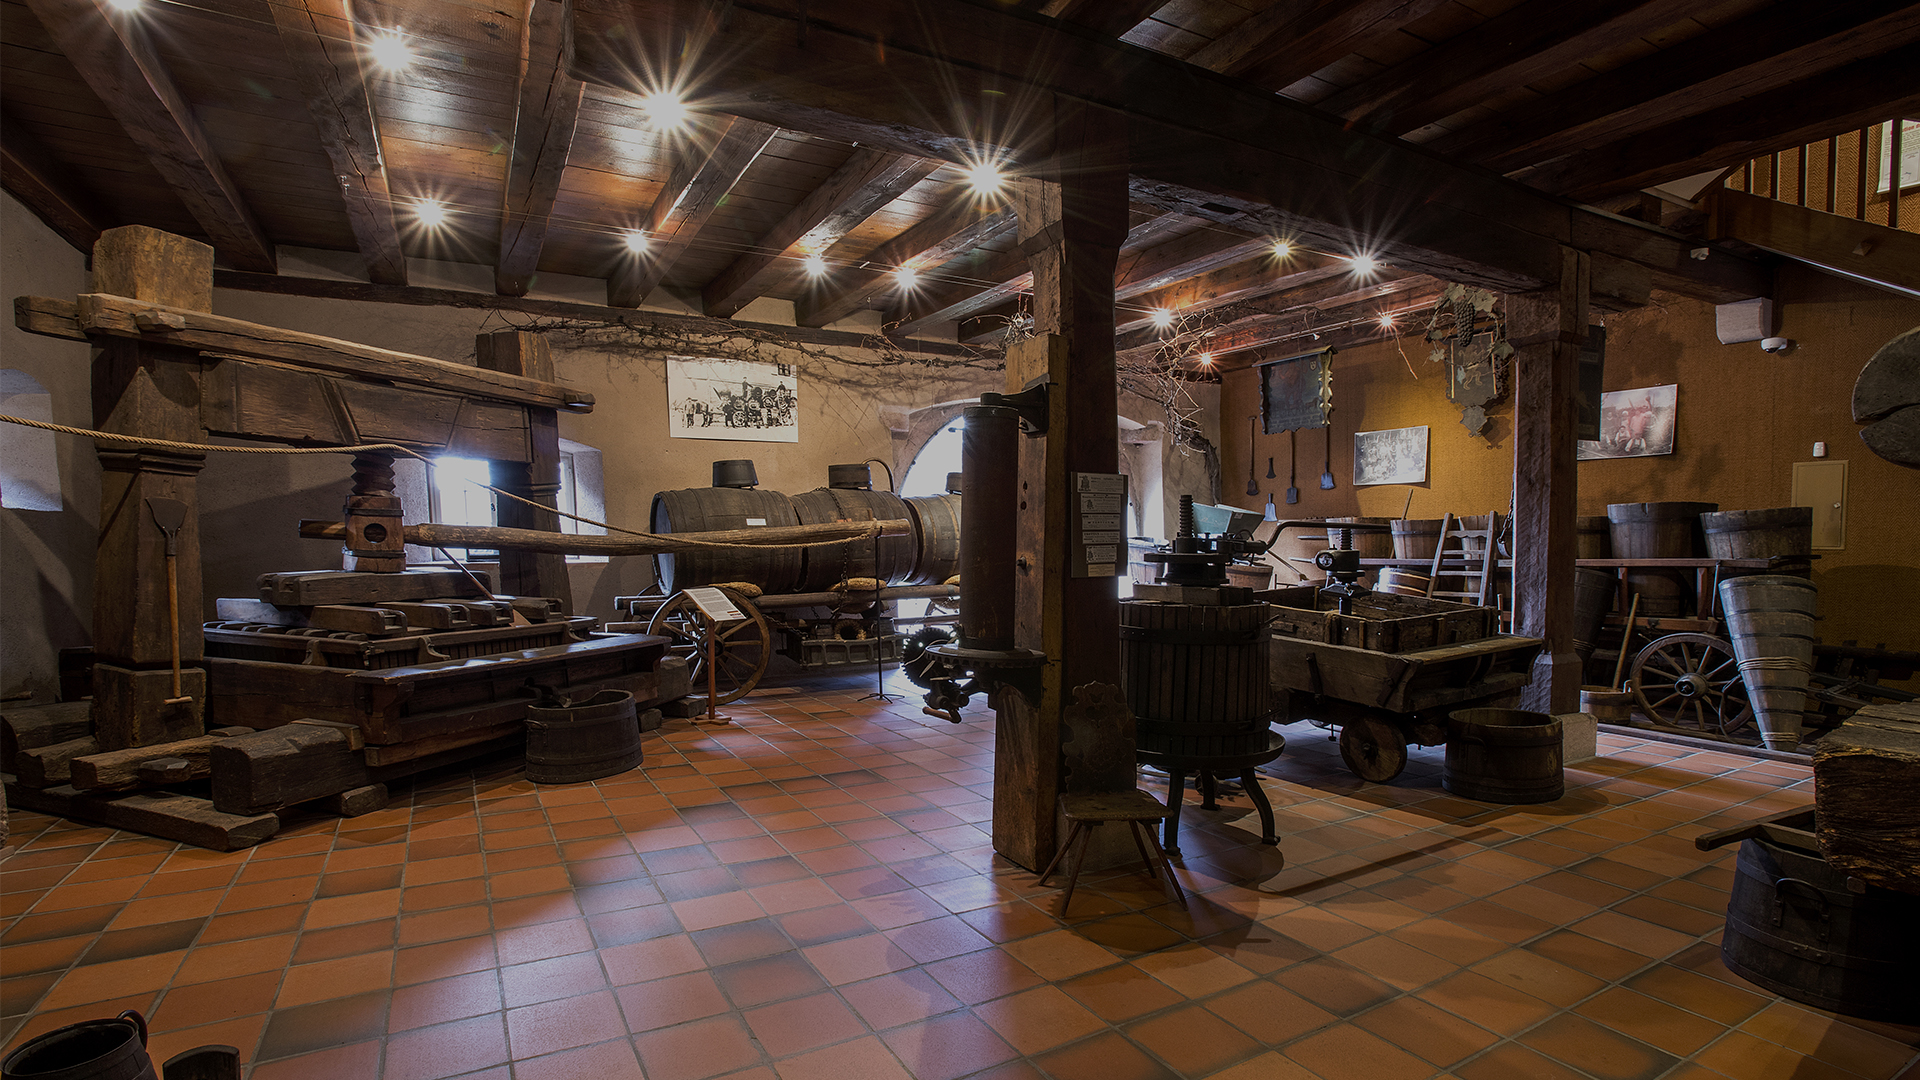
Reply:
x=1776, y=344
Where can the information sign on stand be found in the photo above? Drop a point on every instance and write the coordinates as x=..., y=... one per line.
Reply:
x=1099, y=542
x=717, y=610
x=714, y=605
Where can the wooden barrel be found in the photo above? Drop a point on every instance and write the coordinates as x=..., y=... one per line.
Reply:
x=1401, y=582
x=775, y=570
x=1659, y=530
x=1770, y=621
x=890, y=558
x=1196, y=677
x=1795, y=928
x=1416, y=538
x=1591, y=538
x=597, y=737
x=1370, y=545
x=1759, y=534
x=936, y=532
x=1592, y=598
x=1504, y=756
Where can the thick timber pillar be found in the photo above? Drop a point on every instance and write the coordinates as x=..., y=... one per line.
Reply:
x=151, y=391
x=1547, y=329
x=526, y=573
x=1073, y=218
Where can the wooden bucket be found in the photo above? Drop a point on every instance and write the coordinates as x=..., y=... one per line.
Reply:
x=596, y=738
x=1195, y=676
x=1770, y=620
x=888, y=558
x=1592, y=538
x=1416, y=538
x=1795, y=928
x=113, y=1049
x=936, y=528
x=1592, y=598
x=1401, y=582
x=1370, y=545
x=1759, y=534
x=1659, y=530
x=775, y=570
x=1257, y=577
x=1504, y=756
x=1608, y=706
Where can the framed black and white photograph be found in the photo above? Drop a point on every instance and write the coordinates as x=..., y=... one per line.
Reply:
x=1634, y=423
x=1395, y=456
x=732, y=399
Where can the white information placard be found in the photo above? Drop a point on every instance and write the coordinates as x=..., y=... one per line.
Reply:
x=714, y=605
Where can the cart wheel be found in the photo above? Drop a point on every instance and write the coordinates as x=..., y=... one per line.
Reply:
x=1691, y=680
x=1374, y=749
x=741, y=649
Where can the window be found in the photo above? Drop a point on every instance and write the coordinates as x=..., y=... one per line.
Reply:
x=457, y=497
x=582, y=492
x=29, y=465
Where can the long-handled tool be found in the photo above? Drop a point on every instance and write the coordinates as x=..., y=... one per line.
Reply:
x=170, y=515
x=1253, y=484
x=1626, y=642
x=1270, y=472
x=1293, y=466
x=1326, y=478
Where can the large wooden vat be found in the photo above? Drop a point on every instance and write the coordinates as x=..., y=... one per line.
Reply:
x=1370, y=545
x=775, y=570
x=1415, y=538
x=1759, y=534
x=936, y=527
x=888, y=558
x=1659, y=530
x=1195, y=676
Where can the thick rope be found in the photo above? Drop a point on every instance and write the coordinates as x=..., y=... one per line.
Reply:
x=1774, y=663
x=871, y=532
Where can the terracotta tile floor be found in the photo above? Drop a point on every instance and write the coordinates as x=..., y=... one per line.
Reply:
x=810, y=894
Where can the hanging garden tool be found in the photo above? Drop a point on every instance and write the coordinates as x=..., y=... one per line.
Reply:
x=1293, y=467
x=1253, y=484
x=1270, y=472
x=170, y=515
x=1326, y=478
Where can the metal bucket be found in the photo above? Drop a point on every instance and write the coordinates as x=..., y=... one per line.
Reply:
x=595, y=738
x=1504, y=756
x=1770, y=620
x=113, y=1049
x=1795, y=928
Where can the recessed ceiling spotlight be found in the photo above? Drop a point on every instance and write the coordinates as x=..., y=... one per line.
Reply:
x=985, y=178
x=906, y=277
x=1162, y=317
x=390, y=51
x=1206, y=358
x=1386, y=321
x=666, y=110
x=636, y=241
x=430, y=212
x=124, y=5
x=1282, y=249
x=1364, y=264
x=815, y=265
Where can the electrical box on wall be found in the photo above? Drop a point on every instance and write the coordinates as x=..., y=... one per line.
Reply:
x=1822, y=485
x=1748, y=320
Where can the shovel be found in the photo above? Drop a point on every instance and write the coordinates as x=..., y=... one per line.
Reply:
x=1253, y=484
x=170, y=514
x=1326, y=478
x=1293, y=467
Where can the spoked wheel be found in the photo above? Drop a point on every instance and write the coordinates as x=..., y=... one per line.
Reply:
x=1373, y=748
x=1691, y=681
x=741, y=649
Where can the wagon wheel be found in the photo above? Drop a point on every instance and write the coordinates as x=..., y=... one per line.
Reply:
x=1373, y=748
x=741, y=649
x=1691, y=680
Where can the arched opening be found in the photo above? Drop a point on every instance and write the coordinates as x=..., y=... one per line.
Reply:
x=29, y=461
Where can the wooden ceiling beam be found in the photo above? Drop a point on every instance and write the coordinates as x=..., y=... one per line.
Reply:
x=1767, y=49
x=1112, y=18
x=1849, y=97
x=48, y=188
x=691, y=195
x=1199, y=143
x=1257, y=277
x=1524, y=43
x=112, y=53
x=1286, y=42
x=961, y=225
x=869, y=180
x=1318, y=294
x=549, y=107
x=323, y=45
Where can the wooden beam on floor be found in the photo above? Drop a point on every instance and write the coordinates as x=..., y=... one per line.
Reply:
x=868, y=181
x=549, y=106
x=691, y=195
x=112, y=52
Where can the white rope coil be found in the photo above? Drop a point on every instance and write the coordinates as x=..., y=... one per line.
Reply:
x=1774, y=663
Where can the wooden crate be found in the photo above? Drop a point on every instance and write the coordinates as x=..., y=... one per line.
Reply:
x=1383, y=622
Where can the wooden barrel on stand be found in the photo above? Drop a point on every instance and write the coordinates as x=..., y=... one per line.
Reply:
x=1504, y=756
x=1416, y=538
x=1195, y=676
x=1770, y=621
x=1659, y=530
x=888, y=558
x=936, y=528
x=1759, y=534
x=775, y=570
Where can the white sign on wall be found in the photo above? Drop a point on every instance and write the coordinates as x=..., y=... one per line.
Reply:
x=732, y=399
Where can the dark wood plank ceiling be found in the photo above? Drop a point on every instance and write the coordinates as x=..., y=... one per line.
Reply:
x=264, y=124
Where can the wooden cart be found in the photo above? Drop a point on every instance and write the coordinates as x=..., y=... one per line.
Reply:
x=1388, y=673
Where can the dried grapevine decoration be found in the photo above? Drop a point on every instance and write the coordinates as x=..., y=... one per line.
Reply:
x=1470, y=337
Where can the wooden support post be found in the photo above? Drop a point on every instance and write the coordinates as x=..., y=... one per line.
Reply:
x=1073, y=219
x=1547, y=329
x=152, y=391
x=523, y=573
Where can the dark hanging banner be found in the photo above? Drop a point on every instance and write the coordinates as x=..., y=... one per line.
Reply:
x=1593, y=358
x=1296, y=392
